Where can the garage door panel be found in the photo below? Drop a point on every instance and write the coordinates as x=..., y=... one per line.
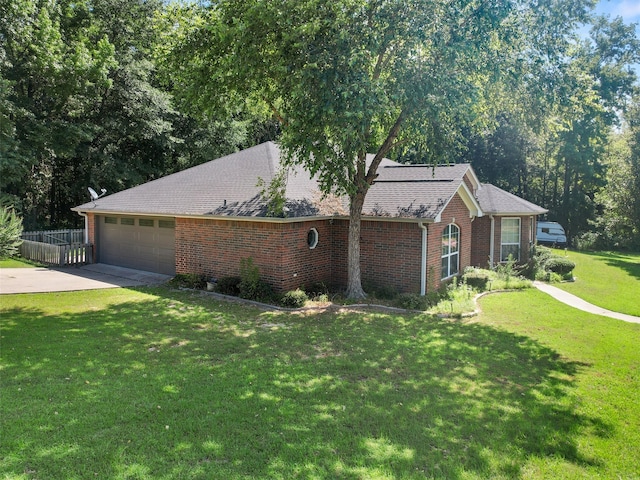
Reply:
x=143, y=247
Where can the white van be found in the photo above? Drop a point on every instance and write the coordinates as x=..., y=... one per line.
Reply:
x=551, y=233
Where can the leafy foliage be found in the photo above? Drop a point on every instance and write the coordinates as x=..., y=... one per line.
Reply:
x=552, y=130
x=274, y=193
x=351, y=77
x=477, y=279
x=189, y=280
x=228, y=286
x=294, y=299
x=10, y=232
x=560, y=265
x=83, y=103
x=546, y=265
x=617, y=224
x=251, y=286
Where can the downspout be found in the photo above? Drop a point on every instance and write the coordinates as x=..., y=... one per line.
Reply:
x=491, y=240
x=423, y=268
x=86, y=227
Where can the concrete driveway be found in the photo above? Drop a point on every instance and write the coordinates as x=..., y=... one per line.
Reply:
x=87, y=277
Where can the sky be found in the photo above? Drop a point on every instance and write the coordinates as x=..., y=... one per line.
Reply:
x=629, y=10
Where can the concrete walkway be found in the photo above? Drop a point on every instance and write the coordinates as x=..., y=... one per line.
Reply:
x=87, y=277
x=580, y=304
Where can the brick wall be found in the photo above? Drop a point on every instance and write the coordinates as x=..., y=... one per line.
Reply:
x=456, y=212
x=527, y=237
x=339, y=242
x=92, y=218
x=482, y=234
x=215, y=248
x=391, y=252
x=481, y=243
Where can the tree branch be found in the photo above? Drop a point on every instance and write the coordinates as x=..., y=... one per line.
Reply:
x=377, y=70
x=389, y=143
x=275, y=111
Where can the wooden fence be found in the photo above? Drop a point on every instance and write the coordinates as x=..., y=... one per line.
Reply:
x=59, y=255
x=56, y=237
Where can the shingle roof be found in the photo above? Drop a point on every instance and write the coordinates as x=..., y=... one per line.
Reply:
x=496, y=201
x=228, y=187
x=415, y=191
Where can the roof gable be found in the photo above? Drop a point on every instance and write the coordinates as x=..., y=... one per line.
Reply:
x=418, y=191
x=496, y=201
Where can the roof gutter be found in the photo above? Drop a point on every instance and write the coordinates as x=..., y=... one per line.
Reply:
x=256, y=219
x=516, y=214
x=423, y=266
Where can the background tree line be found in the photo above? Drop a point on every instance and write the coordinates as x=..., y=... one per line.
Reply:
x=84, y=102
x=114, y=93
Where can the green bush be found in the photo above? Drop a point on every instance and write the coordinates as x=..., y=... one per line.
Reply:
x=542, y=253
x=294, y=299
x=554, y=277
x=10, y=231
x=260, y=291
x=249, y=279
x=318, y=291
x=546, y=266
x=189, y=280
x=507, y=270
x=251, y=286
x=476, y=279
x=589, y=241
x=228, y=286
x=382, y=292
x=412, y=301
x=560, y=265
x=535, y=268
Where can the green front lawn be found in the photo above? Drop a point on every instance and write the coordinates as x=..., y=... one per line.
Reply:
x=610, y=280
x=16, y=262
x=165, y=384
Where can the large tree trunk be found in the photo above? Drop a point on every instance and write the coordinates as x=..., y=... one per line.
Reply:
x=354, y=281
x=363, y=179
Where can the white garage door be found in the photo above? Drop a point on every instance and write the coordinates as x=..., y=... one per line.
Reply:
x=143, y=243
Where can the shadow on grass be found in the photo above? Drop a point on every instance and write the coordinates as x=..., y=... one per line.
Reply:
x=617, y=260
x=182, y=386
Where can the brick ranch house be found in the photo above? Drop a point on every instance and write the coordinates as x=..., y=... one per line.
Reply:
x=421, y=225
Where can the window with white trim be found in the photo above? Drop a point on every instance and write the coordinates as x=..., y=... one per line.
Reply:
x=510, y=239
x=450, y=250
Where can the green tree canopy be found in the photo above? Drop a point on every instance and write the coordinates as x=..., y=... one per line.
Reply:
x=352, y=77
